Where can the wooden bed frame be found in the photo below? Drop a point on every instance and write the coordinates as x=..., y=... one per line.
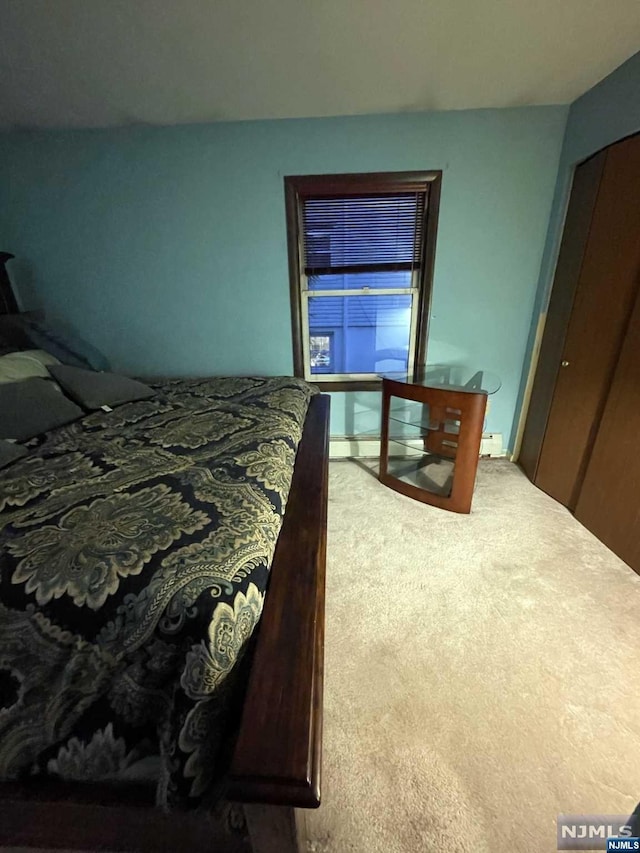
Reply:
x=276, y=765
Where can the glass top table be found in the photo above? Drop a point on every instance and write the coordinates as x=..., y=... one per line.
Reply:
x=449, y=376
x=431, y=431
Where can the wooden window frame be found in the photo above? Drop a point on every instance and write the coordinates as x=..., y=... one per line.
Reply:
x=299, y=187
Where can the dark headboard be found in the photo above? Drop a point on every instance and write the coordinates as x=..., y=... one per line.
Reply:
x=8, y=304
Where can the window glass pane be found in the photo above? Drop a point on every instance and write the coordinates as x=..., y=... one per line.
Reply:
x=366, y=334
x=321, y=351
x=353, y=281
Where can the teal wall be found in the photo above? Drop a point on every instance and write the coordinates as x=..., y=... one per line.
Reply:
x=608, y=112
x=166, y=247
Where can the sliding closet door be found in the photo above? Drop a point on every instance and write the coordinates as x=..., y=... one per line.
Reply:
x=609, y=503
x=602, y=305
x=584, y=191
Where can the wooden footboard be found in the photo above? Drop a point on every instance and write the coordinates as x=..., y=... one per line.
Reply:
x=278, y=753
x=276, y=764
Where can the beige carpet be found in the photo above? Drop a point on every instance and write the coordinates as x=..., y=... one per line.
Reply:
x=481, y=671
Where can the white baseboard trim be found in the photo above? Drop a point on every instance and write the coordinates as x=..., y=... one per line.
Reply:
x=360, y=448
x=369, y=448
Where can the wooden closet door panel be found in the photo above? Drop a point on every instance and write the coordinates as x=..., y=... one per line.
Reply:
x=609, y=502
x=603, y=301
x=584, y=191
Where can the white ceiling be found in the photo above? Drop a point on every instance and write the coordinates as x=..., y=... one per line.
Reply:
x=86, y=63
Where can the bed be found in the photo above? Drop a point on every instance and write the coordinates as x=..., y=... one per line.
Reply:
x=168, y=687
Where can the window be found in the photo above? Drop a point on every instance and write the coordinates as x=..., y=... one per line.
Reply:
x=361, y=251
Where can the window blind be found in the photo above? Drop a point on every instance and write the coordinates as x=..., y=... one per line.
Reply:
x=363, y=233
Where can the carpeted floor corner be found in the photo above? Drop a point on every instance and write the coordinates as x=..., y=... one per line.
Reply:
x=481, y=671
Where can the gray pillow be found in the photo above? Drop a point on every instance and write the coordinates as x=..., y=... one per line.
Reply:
x=9, y=452
x=94, y=390
x=33, y=406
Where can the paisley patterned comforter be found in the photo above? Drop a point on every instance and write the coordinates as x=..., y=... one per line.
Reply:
x=134, y=555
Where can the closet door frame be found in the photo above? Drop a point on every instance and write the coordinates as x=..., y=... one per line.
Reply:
x=582, y=200
x=594, y=293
